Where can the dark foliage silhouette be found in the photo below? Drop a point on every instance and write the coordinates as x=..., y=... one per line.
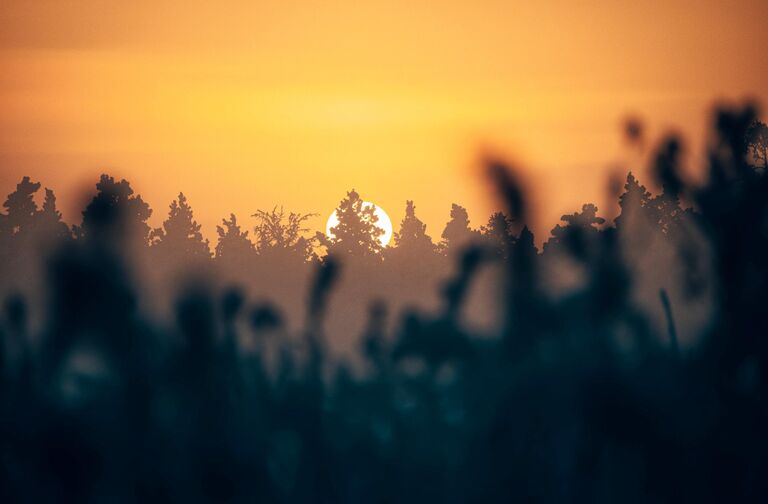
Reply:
x=116, y=215
x=412, y=236
x=180, y=238
x=278, y=233
x=629, y=362
x=234, y=244
x=356, y=234
x=457, y=232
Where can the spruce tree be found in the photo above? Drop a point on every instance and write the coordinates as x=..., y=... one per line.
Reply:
x=356, y=233
x=498, y=232
x=634, y=200
x=50, y=225
x=412, y=236
x=20, y=208
x=457, y=232
x=180, y=234
x=116, y=214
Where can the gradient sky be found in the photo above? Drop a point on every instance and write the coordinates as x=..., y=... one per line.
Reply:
x=246, y=105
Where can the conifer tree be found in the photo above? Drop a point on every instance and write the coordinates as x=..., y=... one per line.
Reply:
x=17, y=224
x=28, y=233
x=20, y=208
x=116, y=214
x=587, y=218
x=498, y=232
x=581, y=229
x=50, y=225
x=457, y=232
x=412, y=236
x=356, y=234
x=634, y=201
x=180, y=235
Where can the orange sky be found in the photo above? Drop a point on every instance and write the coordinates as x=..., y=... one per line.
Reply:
x=246, y=105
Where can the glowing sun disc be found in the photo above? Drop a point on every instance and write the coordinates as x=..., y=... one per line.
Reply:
x=384, y=223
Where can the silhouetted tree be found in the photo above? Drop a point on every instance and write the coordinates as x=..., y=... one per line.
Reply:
x=235, y=253
x=356, y=234
x=586, y=219
x=18, y=235
x=281, y=233
x=180, y=237
x=412, y=237
x=498, y=232
x=457, y=232
x=115, y=214
x=579, y=234
x=28, y=234
x=233, y=244
x=20, y=208
x=51, y=227
x=633, y=201
x=413, y=259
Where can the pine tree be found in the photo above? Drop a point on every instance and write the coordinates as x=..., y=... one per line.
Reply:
x=50, y=225
x=412, y=236
x=580, y=231
x=632, y=201
x=21, y=208
x=586, y=219
x=27, y=234
x=457, y=232
x=356, y=234
x=498, y=232
x=180, y=235
x=642, y=214
x=17, y=224
x=115, y=214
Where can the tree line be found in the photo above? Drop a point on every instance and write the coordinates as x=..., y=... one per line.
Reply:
x=577, y=394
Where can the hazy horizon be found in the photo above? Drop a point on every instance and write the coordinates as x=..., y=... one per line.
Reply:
x=246, y=107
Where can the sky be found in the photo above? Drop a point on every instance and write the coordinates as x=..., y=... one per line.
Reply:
x=247, y=105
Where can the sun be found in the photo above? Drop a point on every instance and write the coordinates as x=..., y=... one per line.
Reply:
x=384, y=223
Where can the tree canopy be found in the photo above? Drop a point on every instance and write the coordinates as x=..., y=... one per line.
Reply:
x=356, y=234
x=180, y=233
